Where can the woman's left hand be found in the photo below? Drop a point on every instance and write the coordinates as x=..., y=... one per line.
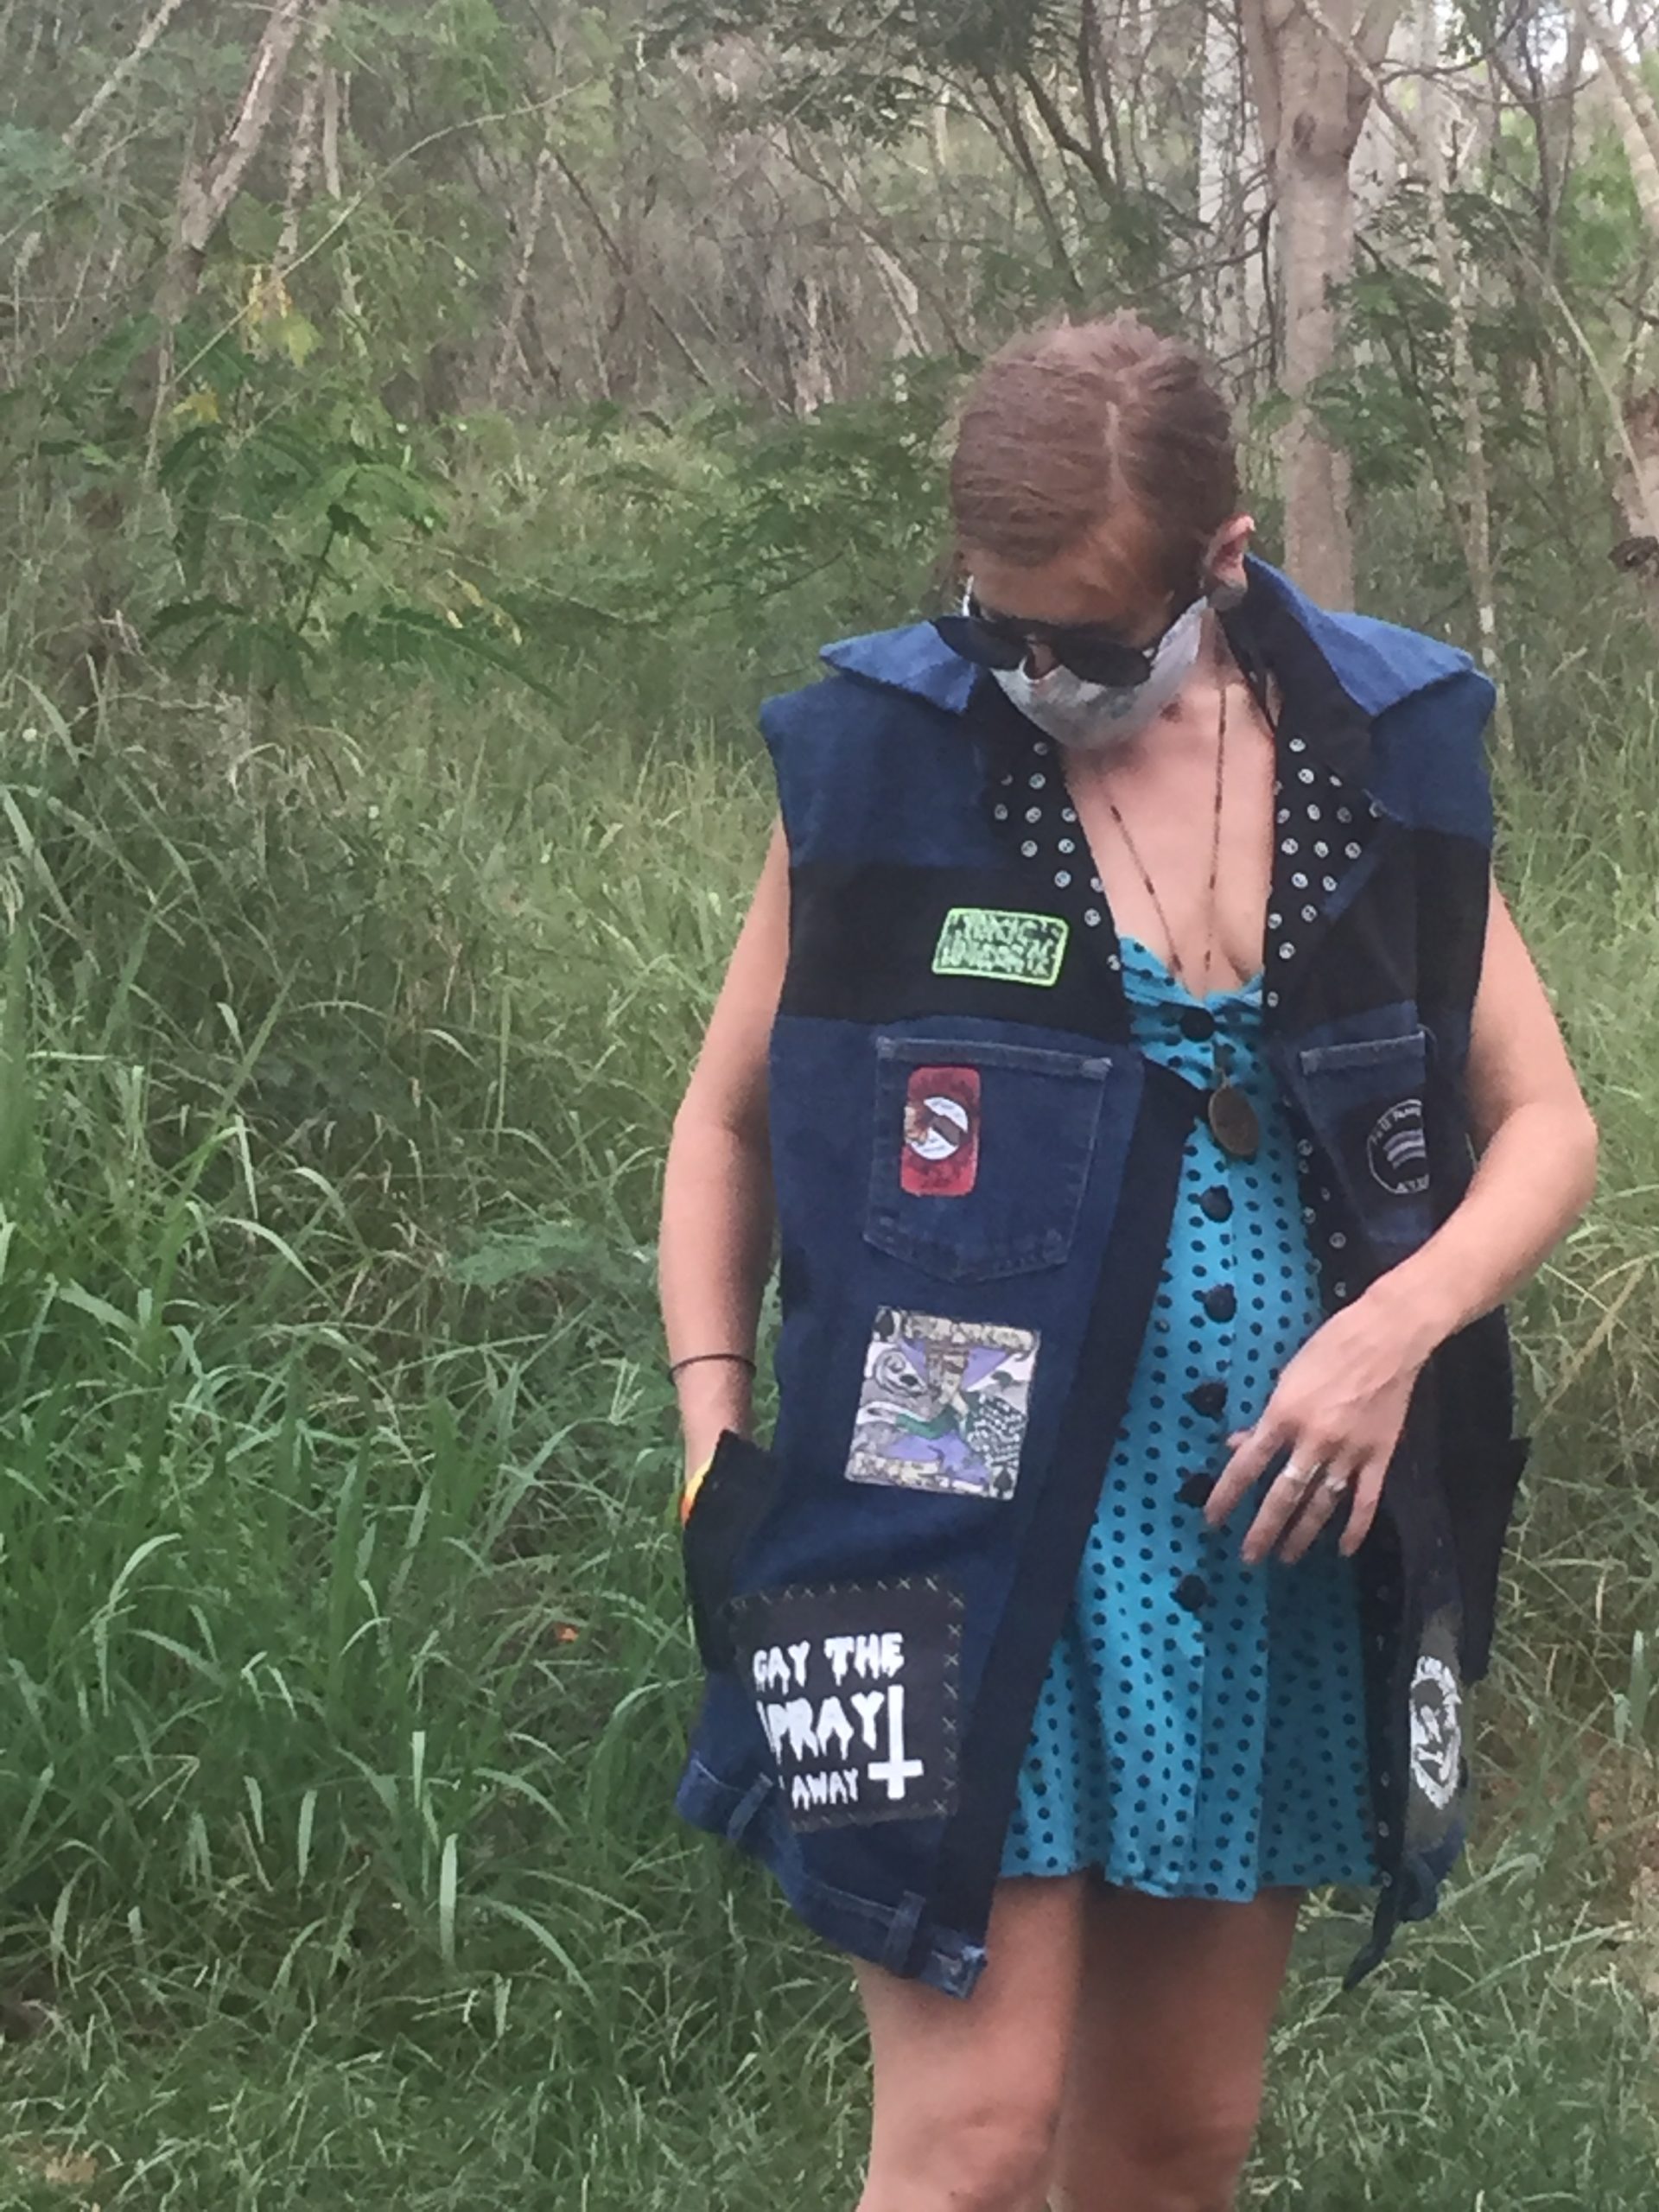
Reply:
x=1337, y=1409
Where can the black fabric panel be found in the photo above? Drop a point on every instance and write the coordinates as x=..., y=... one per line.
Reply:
x=1414, y=930
x=1001, y=1725
x=1368, y=954
x=1454, y=892
x=1481, y=1466
x=1384, y=1584
x=862, y=940
x=1266, y=638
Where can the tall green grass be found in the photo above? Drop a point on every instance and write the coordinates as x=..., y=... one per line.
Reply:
x=343, y=1680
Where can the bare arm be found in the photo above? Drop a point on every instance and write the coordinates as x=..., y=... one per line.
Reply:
x=1341, y=1401
x=714, y=1246
x=1537, y=1166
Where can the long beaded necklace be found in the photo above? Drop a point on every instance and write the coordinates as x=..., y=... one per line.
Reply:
x=1232, y=1118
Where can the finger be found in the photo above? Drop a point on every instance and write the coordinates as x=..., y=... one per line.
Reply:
x=1288, y=1494
x=1306, y=1523
x=1252, y=1449
x=1368, y=1492
x=1323, y=1501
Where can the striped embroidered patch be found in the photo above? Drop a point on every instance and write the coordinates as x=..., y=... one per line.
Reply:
x=1001, y=946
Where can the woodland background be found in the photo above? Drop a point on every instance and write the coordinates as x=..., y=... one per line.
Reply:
x=427, y=431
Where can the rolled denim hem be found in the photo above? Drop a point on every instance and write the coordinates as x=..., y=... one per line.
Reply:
x=897, y=1936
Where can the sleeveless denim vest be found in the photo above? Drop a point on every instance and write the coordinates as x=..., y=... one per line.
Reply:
x=975, y=1172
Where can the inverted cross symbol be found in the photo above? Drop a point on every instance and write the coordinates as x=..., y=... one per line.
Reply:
x=895, y=1769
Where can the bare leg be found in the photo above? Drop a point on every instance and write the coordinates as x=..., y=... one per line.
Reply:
x=968, y=2090
x=1164, y=2087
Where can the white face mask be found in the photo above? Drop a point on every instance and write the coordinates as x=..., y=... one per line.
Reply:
x=1095, y=717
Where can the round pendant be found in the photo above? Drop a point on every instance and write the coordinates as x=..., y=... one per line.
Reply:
x=1232, y=1122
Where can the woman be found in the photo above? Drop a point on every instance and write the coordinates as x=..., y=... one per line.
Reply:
x=1123, y=1004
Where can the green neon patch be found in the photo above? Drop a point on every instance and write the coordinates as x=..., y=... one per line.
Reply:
x=1005, y=948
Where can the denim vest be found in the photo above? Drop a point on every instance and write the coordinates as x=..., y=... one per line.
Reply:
x=975, y=1171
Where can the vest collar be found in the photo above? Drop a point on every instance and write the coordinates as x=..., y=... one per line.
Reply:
x=1372, y=665
x=914, y=659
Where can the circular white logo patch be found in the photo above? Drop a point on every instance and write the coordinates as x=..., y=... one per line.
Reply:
x=1397, y=1150
x=1436, y=1731
x=938, y=1127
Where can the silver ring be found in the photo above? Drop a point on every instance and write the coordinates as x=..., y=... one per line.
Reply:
x=1301, y=1477
x=1334, y=1485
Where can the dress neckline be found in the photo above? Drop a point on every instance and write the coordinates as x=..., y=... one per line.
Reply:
x=1166, y=976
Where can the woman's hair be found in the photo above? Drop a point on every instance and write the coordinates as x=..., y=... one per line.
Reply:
x=1070, y=425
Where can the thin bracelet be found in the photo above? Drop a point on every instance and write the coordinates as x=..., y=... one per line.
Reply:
x=691, y=1359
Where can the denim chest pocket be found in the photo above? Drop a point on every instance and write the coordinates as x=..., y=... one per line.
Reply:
x=1365, y=1100
x=981, y=1154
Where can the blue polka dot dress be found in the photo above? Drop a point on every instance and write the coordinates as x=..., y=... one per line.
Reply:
x=1201, y=1729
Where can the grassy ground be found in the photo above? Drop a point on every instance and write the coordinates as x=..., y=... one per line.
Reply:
x=342, y=1675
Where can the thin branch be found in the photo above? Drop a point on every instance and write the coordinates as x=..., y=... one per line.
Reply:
x=1065, y=139
x=1006, y=103
x=511, y=319
x=148, y=32
x=626, y=269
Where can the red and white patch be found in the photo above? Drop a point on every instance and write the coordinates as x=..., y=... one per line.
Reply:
x=940, y=1158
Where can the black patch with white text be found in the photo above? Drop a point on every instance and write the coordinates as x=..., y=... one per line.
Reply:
x=857, y=1687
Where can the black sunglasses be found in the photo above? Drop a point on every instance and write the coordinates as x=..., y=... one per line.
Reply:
x=1090, y=649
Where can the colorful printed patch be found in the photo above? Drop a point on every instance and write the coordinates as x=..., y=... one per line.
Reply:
x=1004, y=947
x=857, y=1685
x=943, y=1404
x=941, y=1155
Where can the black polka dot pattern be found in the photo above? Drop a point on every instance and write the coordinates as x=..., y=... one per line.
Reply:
x=1323, y=830
x=1201, y=1728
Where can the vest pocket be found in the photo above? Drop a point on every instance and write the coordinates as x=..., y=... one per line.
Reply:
x=735, y=1494
x=981, y=1154
x=1364, y=1101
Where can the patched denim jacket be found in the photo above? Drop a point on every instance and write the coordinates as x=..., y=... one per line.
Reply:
x=975, y=1172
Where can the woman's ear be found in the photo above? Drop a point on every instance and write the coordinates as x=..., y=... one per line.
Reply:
x=1224, y=561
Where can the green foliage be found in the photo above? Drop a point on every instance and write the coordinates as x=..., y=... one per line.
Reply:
x=377, y=808
x=343, y=1680
x=36, y=166
x=299, y=516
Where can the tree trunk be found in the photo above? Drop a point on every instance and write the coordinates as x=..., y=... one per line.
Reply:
x=1312, y=101
x=1474, y=510
x=1316, y=253
x=303, y=148
x=1231, y=200
x=1638, y=495
x=207, y=188
x=1636, y=455
x=1633, y=103
x=336, y=95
